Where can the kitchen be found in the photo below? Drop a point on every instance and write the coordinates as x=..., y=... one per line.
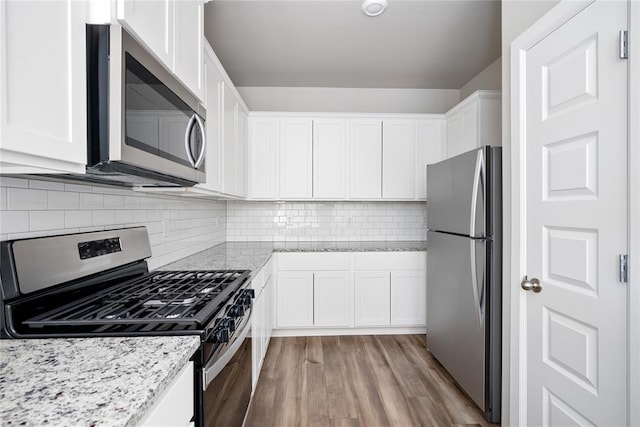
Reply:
x=279, y=188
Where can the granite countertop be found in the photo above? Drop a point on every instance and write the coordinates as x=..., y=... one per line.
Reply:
x=87, y=381
x=253, y=255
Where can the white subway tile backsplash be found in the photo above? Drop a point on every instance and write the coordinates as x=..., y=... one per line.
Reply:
x=14, y=222
x=46, y=220
x=26, y=199
x=63, y=200
x=329, y=221
x=91, y=201
x=49, y=208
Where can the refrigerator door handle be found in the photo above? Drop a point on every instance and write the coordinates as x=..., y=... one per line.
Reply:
x=478, y=184
x=478, y=288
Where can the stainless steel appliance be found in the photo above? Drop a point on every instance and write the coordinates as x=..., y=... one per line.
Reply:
x=97, y=284
x=464, y=272
x=144, y=126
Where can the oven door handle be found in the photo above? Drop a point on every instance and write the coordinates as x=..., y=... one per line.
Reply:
x=217, y=364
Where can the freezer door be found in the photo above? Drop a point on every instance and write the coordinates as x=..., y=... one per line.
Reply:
x=456, y=194
x=456, y=272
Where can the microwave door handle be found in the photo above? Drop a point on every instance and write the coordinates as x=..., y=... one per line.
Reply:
x=204, y=142
x=187, y=134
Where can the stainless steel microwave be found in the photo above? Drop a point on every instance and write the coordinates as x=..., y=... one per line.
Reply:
x=144, y=128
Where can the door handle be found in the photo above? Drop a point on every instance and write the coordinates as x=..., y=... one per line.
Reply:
x=195, y=120
x=531, y=285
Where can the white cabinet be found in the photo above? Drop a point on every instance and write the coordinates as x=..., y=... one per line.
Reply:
x=365, y=159
x=332, y=298
x=329, y=158
x=474, y=122
x=296, y=158
x=262, y=316
x=408, y=298
x=294, y=299
x=431, y=149
x=229, y=138
x=398, y=159
x=175, y=405
x=351, y=290
x=173, y=31
x=372, y=298
x=152, y=23
x=43, y=87
x=263, y=158
x=188, y=44
x=241, y=153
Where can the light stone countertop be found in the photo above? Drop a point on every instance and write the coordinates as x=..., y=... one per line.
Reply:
x=87, y=381
x=253, y=255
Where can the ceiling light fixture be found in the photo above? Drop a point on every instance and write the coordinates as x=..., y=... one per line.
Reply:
x=374, y=7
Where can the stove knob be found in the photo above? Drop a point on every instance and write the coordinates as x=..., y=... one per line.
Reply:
x=229, y=323
x=251, y=293
x=221, y=335
x=236, y=310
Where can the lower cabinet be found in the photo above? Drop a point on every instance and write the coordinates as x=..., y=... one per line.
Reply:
x=175, y=405
x=372, y=291
x=363, y=290
x=262, y=320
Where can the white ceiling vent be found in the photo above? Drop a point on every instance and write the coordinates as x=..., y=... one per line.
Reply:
x=374, y=7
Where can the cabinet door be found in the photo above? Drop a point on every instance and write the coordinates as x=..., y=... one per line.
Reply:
x=372, y=299
x=188, y=44
x=295, y=158
x=431, y=146
x=229, y=138
x=294, y=303
x=267, y=314
x=398, y=159
x=257, y=330
x=241, y=154
x=332, y=298
x=43, y=86
x=471, y=128
x=213, y=102
x=365, y=158
x=329, y=158
x=263, y=158
x=455, y=134
x=408, y=298
x=152, y=22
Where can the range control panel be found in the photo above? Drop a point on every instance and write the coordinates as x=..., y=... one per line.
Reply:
x=97, y=248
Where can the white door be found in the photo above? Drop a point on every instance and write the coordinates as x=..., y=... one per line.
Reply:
x=329, y=158
x=294, y=299
x=241, y=153
x=188, y=47
x=372, y=298
x=431, y=149
x=296, y=158
x=398, y=159
x=408, y=298
x=574, y=332
x=229, y=140
x=153, y=22
x=213, y=97
x=365, y=159
x=332, y=298
x=263, y=158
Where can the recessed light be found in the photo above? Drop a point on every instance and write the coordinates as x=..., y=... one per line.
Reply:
x=374, y=7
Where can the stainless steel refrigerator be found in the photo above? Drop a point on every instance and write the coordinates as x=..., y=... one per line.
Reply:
x=464, y=272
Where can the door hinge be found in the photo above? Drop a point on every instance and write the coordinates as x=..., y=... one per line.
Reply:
x=624, y=44
x=623, y=268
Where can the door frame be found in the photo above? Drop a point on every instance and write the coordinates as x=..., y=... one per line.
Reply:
x=514, y=366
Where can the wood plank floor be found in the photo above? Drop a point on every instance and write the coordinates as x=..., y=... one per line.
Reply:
x=386, y=380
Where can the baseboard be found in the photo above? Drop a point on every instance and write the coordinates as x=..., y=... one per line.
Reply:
x=319, y=332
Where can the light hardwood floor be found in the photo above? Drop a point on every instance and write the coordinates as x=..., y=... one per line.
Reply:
x=386, y=380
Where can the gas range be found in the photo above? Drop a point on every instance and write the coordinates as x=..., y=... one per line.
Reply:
x=98, y=284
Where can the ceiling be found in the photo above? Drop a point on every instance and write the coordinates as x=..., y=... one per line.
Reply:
x=329, y=43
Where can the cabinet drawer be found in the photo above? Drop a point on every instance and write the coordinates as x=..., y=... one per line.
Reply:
x=372, y=261
x=335, y=261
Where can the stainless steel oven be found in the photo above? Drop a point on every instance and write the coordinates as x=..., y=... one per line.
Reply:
x=144, y=126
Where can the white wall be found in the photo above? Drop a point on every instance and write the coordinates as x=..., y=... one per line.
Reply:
x=488, y=79
x=517, y=16
x=326, y=221
x=349, y=100
x=177, y=227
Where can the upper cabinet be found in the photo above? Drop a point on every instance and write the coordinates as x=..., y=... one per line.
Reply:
x=365, y=160
x=173, y=31
x=43, y=87
x=474, y=122
x=342, y=157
